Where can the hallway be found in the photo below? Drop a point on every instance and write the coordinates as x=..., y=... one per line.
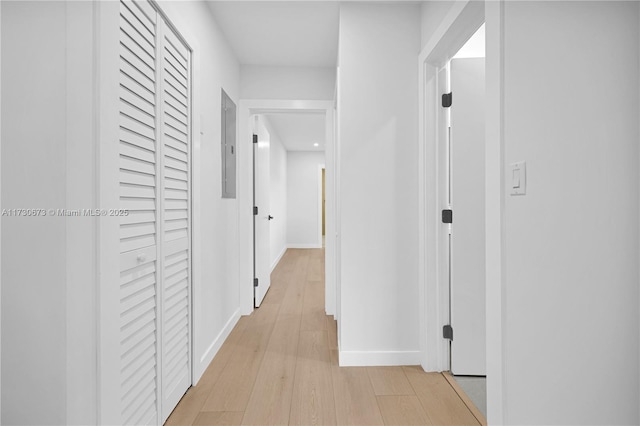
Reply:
x=279, y=366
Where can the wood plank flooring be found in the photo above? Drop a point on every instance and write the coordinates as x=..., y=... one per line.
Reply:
x=279, y=366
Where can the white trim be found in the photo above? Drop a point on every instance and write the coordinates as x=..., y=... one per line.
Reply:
x=321, y=167
x=0, y=222
x=215, y=346
x=275, y=262
x=247, y=107
x=495, y=213
x=378, y=358
x=303, y=246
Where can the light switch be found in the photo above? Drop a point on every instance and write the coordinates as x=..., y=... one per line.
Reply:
x=519, y=178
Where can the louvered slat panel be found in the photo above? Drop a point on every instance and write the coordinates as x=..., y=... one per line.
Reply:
x=139, y=21
x=176, y=59
x=174, y=135
x=136, y=178
x=136, y=81
x=174, y=78
x=176, y=184
x=175, y=108
x=171, y=225
x=137, y=165
x=140, y=216
x=137, y=191
x=176, y=194
x=174, y=112
x=139, y=368
x=135, y=99
x=136, y=126
x=176, y=174
x=176, y=204
x=179, y=125
x=176, y=214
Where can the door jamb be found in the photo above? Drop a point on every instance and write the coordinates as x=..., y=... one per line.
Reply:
x=320, y=168
x=456, y=28
x=246, y=108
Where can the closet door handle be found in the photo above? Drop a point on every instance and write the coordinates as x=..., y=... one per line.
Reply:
x=269, y=217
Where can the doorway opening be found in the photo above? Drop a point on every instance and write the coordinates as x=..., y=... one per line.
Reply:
x=288, y=160
x=454, y=175
x=259, y=247
x=465, y=76
x=323, y=204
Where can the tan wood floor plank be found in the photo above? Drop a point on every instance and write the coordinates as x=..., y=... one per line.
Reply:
x=294, y=296
x=402, y=410
x=232, y=390
x=191, y=404
x=441, y=403
x=465, y=398
x=313, y=315
x=355, y=400
x=332, y=329
x=211, y=418
x=270, y=401
x=313, y=400
x=389, y=381
x=314, y=273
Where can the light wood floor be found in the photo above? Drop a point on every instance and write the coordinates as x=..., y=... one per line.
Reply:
x=280, y=366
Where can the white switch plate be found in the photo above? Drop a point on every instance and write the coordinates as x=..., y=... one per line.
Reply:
x=519, y=178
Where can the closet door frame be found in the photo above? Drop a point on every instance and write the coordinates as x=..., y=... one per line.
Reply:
x=106, y=72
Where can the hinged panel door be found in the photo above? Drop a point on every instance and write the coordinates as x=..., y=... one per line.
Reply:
x=468, y=355
x=176, y=219
x=138, y=154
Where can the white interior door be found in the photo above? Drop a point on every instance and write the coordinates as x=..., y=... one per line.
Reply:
x=261, y=220
x=154, y=188
x=139, y=266
x=468, y=354
x=176, y=220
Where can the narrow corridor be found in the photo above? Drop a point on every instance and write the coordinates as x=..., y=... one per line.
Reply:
x=280, y=366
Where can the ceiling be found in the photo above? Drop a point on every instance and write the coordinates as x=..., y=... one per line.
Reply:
x=298, y=132
x=280, y=33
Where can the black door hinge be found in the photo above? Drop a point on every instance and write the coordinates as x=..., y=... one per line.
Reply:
x=255, y=282
x=255, y=138
x=255, y=210
x=447, y=216
x=447, y=332
x=447, y=98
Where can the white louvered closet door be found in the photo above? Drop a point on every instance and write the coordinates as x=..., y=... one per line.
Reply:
x=176, y=252
x=155, y=257
x=139, y=344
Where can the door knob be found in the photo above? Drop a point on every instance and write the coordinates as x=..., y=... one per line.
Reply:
x=269, y=217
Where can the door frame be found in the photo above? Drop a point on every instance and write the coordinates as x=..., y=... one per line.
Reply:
x=456, y=28
x=247, y=108
x=321, y=167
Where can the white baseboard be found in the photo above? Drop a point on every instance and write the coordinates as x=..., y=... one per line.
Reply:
x=275, y=263
x=376, y=359
x=303, y=246
x=215, y=346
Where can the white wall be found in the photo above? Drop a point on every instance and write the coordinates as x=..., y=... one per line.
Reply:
x=34, y=272
x=303, y=178
x=378, y=115
x=215, y=230
x=278, y=195
x=571, y=326
x=290, y=83
x=432, y=14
